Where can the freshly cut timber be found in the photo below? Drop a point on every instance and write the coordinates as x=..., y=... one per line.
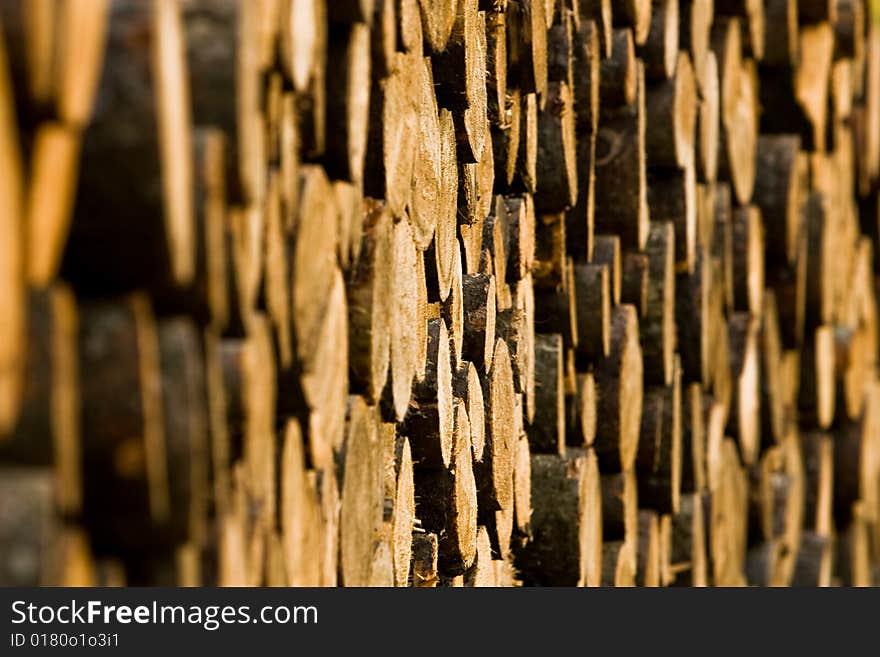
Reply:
x=429, y=419
x=439, y=293
x=621, y=187
x=566, y=522
x=140, y=130
x=619, y=387
x=447, y=501
x=369, y=306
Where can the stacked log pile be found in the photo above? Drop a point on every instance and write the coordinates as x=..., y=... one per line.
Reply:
x=439, y=292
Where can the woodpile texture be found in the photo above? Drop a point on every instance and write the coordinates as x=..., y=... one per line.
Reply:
x=439, y=292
